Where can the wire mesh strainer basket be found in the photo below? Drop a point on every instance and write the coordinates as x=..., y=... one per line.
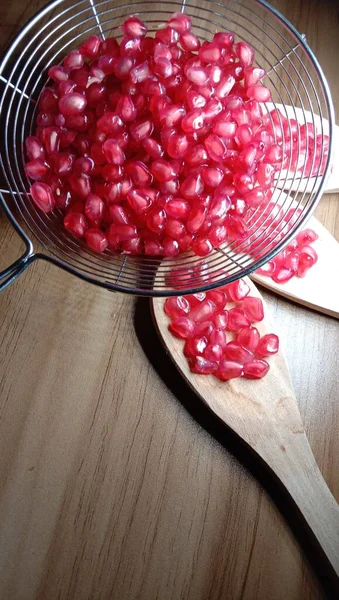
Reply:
x=293, y=75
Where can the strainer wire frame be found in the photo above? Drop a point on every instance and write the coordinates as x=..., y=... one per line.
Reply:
x=11, y=273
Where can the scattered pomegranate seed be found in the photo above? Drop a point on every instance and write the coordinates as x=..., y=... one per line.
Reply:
x=43, y=197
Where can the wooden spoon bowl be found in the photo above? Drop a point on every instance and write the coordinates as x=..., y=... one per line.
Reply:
x=264, y=413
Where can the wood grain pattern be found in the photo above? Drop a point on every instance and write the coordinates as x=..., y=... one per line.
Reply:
x=114, y=483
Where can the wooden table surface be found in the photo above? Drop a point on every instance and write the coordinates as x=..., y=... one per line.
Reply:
x=114, y=483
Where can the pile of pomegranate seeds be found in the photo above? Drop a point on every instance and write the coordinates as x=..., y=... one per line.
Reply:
x=154, y=145
x=219, y=332
x=295, y=260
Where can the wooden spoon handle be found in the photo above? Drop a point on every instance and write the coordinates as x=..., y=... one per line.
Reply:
x=295, y=465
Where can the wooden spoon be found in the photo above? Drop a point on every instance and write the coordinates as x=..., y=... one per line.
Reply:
x=319, y=289
x=306, y=184
x=264, y=413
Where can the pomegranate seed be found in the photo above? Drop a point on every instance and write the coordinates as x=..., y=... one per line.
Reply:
x=205, y=328
x=113, y=152
x=202, y=246
x=259, y=93
x=224, y=87
x=253, y=308
x=306, y=237
x=213, y=352
x=177, y=306
x=196, y=219
x=90, y=47
x=152, y=147
x=307, y=258
x=268, y=345
x=177, y=208
x=267, y=269
x=153, y=248
x=123, y=66
x=134, y=28
x=209, y=53
x=220, y=319
x=34, y=148
x=122, y=232
x=203, y=366
x=237, y=290
x=63, y=163
x=193, y=121
x=237, y=319
x=96, y=240
x=202, y=311
x=215, y=147
x=224, y=39
x=171, y=247
x=282, y=275
x=58, y=74
x=195, y=346
x=218, y=336
x=197, y=75
x=163, y=170
x=180, y=22
x=256, y=369
x=37, y=169
x=248, y=338
x=189, y=41
x=245, y=53
x=72, y=104
x=74, y=60
x=139, y=200
x=94, y=208
x=141, y=129
x=76, y=224
x=235, y=352
x=118, y=214
x=229, y=369
x=133, y=246
x=42, y=195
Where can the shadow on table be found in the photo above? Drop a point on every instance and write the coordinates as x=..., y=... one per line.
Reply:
x=166, y=369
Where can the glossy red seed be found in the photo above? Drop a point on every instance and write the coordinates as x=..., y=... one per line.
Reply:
x=74, y=60
x=253, y=308
x=245, y=53
x=268, y=345
x=218, y=336
x=58, y=74
x=213, y=352
x=90, y=47
x=220, y=319
x=72, y=104
x=195, y=346
x=224, y=87
x=96, y=240
x=202, y=246
x=37, y=169
x=177, y=208
x=237, y=290
x=76, y=224
x=306, y=237
x=113, y=152
x=229, y=369
x=94, y=208
x=176, y=306
x=224, y=39
x=196, y=219
x=118, y=214
x=163, y=170
x=180, y=22
x=248, y=338
x=237, y=319
x=139, y=200
x=259, y=93
x=43, y=196
x=140, y=130
x=171, y=247
x=153, y=248
x=218, y=297
x=134, y=28
x=193, y=121
x=236, y=352
x=34, y=148
x=203, y=366
x=215, y=147
x=256, y=369
x=202, y=311
x=80, y=185
x=122, y=232
x=152, y=147
x=63, y=163
x=189, y=41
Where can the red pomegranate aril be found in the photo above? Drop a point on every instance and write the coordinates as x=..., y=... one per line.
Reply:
x=177, y=208
x=42, y=195
x=75, y=223
x=126, y=109
x=37, y=169
x=219, y=298
x=196, y=156
x=134, y=28
x=113, y=152
x=195, y=346
x=237, y=290
x=256, y=369
x=193, y=121
x=133, y=246
x=268, y=345
x=72, y=104
x=255, y=197
x=189, y=41
x=176, y=306
x=138, y=200
x=122, y=232
x=212, y=109
x=217, y=235
x=96, y=240
x=94, y=208
x=58, y=74
x=163, y=68
x=213, y=352
x=225, y=128
x=48, y=101
x=34, y=148
x=224, y=39
x=202, y=311
x=218, y=336
x=259, y=93
x=220, y=319
x=203, y=366
x=202, y=246
x=177, y=145
x=307, y=256
x=80, y=185
x=306, y=237
x=118, y=214
x=215, y=147
x=196, y=219
x=197, y=75
x=67, y=138
x=96, y=93
x=123, y=66
x=212, y=176
x=140, y=73
x=229, y=369
x=204, y=328
x=163, y=170
x=237, y=319
x=63, y=163
x=195, y=100
x=174, y=228
x=171, y=247
x=252, y=75
x=282, y=274
x=235, y=352
x=267, y=269
x=248, y=338
x=74, y=60
x=90, y=47
x=141, y=129
x=209, y=52
x=253, y=308
x=245, y=53
x=153, y=248
x=52, y=139
x=224, y=87
x=45, y=119
x=265, y=175
x=180, y=22
x=153, y=148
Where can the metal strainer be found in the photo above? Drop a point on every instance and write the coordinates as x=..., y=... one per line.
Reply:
x=293, y=75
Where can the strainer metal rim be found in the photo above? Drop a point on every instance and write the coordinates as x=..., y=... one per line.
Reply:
x=7, y=276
